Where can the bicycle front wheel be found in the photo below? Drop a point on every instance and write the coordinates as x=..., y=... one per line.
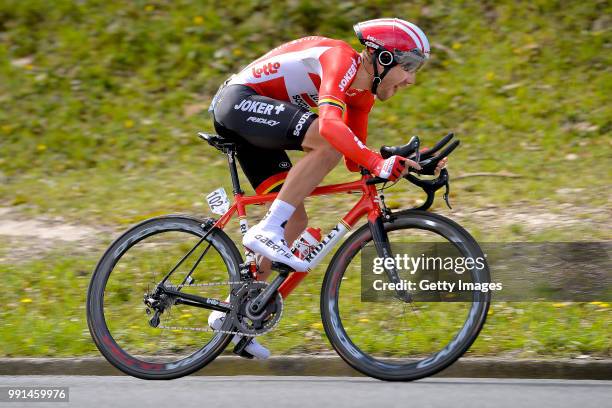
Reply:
x=400, y=340
x=128, y=273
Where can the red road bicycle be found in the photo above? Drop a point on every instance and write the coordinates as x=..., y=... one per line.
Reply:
x=187, y=267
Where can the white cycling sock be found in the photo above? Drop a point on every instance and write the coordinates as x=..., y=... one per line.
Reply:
x=268, y=237
x=278, y=214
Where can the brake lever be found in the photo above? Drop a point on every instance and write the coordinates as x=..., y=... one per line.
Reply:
x=446, y=193
x=430, y=187
x=428, y=166
x=417, y=152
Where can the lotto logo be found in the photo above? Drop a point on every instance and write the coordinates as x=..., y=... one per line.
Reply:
x=266, y=69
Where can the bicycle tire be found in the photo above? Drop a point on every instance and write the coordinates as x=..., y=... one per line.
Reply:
x=385, y=370
x=98, y=328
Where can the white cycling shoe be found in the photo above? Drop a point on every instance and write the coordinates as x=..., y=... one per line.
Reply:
x=215, y=321
x=269, y=241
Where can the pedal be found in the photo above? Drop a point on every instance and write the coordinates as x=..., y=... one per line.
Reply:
x=281, y=268
x=240, y=348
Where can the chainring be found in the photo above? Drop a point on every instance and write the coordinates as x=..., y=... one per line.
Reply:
x=263, y=322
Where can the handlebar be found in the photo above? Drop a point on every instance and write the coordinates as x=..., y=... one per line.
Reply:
x=403, y=151
x=428, y=162
x=428, y=166
x=430, y=152
x=410, y=149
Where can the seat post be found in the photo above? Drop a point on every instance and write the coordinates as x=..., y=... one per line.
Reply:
x=231, y=160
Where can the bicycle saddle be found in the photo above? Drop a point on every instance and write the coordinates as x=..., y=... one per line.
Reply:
x=218, y=142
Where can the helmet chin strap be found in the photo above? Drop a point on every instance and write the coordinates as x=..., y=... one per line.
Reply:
x=378, y=78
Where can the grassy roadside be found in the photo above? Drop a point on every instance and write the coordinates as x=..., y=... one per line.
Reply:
x=44, y=315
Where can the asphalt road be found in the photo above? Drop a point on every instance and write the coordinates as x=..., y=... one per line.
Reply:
x=319, y=392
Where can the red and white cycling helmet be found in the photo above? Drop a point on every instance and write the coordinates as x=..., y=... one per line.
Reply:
x=394, y=42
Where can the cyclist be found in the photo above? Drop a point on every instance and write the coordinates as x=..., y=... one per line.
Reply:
x=265, y=109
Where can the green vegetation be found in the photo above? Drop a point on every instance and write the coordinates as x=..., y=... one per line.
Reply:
x=44, y=314
x=100, y=102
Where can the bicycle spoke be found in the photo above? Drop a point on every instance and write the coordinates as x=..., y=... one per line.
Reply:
x=182, y=260
x=195, y=266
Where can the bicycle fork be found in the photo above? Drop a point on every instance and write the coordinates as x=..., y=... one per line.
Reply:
x=383, y=250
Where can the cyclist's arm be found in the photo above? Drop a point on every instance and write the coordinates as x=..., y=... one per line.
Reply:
x=357, y=120
x=339, y=68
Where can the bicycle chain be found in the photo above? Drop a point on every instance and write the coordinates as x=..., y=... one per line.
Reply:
x=210, y=329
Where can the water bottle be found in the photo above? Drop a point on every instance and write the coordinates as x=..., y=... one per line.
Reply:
x=310, y=238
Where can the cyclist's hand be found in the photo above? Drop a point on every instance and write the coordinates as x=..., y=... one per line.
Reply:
x=394, y=167
x=409, y=164
x=441, y=164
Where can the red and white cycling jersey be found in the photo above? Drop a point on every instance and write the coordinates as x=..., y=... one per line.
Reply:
x=318, y=71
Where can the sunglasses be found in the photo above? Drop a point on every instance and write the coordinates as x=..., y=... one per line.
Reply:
x=410, y=61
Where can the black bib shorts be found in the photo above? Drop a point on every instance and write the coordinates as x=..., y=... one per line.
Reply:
x=262, y=128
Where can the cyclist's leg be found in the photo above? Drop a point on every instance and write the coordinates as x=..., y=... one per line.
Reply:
x=296, y=224
x=261, y=166
x=319, y=160
x=266, y=123
x=321, y=157
x=260, y=143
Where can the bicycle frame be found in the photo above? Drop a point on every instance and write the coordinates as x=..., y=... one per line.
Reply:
x=367, y=205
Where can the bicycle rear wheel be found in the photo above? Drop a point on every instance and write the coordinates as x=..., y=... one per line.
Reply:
x=397, y=340
x=132, y=267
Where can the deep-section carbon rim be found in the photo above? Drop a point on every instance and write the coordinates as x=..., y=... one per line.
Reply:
x=387, y=369
x=131, y=364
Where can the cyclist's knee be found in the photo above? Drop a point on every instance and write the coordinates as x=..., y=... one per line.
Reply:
x=313, y=139
x=329, y=156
